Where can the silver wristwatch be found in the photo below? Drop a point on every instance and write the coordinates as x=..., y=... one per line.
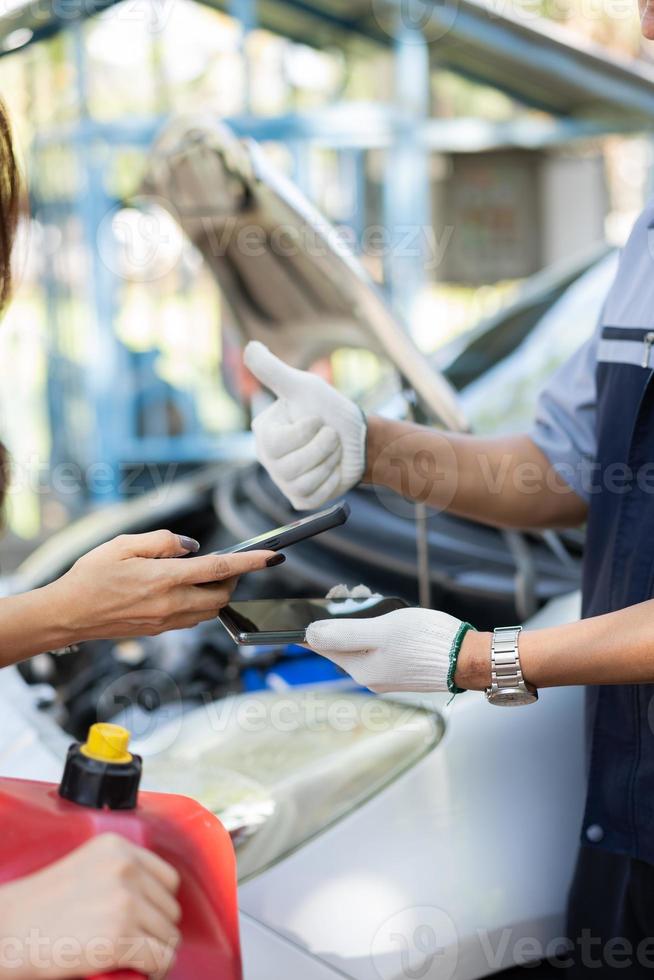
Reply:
x=508, y=686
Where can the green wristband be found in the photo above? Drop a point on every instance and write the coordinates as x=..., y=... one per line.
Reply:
x=454, y=657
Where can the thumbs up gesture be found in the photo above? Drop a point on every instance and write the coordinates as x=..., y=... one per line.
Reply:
x=312, y=440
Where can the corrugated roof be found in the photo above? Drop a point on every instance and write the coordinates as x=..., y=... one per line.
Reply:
x=528, y=57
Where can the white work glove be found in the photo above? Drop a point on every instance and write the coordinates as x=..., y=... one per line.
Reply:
x=405, y=650
x=312, y=440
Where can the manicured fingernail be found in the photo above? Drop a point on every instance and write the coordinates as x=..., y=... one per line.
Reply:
x=276, y=560
x=189, y=544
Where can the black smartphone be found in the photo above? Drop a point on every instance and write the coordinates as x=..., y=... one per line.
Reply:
x=279, y=621
x=284, y=537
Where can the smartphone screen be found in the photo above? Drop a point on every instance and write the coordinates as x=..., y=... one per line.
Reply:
x=280, y=621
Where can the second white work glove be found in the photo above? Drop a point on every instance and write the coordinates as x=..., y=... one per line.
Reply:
x=405, y=650
x=312, y=440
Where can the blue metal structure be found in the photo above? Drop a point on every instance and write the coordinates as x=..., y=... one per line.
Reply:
x=527, y=57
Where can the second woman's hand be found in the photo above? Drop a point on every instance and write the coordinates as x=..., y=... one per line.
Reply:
x=107, y=905
x=134, y=585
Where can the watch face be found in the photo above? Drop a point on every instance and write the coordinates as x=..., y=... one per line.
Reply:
x=512, y=697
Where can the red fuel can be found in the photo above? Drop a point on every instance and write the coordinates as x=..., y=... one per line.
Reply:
x=42, y=822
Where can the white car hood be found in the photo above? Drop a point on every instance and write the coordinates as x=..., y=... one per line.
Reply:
x=286, y=274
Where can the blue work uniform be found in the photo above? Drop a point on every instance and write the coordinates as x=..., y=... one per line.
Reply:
x=595, y=423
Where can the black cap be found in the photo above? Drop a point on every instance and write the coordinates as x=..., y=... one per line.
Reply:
x=98, y=783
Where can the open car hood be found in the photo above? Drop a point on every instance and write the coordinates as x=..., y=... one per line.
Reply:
x=289, y=279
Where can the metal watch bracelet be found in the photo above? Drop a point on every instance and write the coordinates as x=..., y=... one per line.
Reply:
x=508, y=686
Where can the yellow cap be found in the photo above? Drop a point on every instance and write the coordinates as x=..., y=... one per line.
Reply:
x=107, y=743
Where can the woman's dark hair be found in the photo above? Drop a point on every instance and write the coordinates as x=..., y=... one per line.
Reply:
x=9, y=206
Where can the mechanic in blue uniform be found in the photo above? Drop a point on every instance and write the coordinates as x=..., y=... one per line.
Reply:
x=590, y=456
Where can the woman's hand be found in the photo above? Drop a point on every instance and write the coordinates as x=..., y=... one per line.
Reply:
x=135, y=585
x=139, y=585
x=107, y=905
x=405, y=650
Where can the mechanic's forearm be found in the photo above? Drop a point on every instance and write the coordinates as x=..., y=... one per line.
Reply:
x=31, y=623
x=504, y=481
x=614, y=649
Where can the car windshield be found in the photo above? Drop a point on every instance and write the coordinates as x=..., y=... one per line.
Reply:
x=504, y=397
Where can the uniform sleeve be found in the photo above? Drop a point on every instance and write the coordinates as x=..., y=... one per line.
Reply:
x=565, y=424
